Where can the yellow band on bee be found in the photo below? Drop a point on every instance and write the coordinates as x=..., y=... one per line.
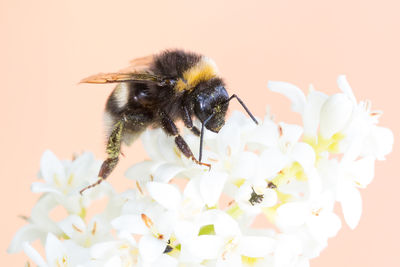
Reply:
x=202, y=71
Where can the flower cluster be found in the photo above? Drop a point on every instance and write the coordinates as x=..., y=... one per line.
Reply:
x=183, y=214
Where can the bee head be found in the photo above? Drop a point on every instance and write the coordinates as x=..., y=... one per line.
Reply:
x=211, y=102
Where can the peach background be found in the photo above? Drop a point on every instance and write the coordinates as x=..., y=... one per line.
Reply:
x=46, y=47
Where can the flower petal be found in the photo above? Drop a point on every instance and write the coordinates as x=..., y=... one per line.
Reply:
x=166, y=195
x=244, y=165
x=266, y=134
x=351, y=202
x=229, y=142
x=165, y=172
x=311, y=115
x=345, y=87
x=141, y=171
x=229, y=259
x=291, y=133
x=81, y=165
x=324, y=226
x=72, y=226
x=99, y=250
x=151, y=248
x=38, y=187
x=335, y=113
x=130, y=223
x=54, y=248
x=113, y=261
x=292, y=92
x=34, y=255
x=211, y=186
x=304, y=154
x=225, y=225
x=185, y=230
x=256, y=246
x=206, y=247
x=271, y=161
x=40, y=214
x=51, y=168
x=292, y=214
x=165, y=261
x=363, y=171
x=382, y=141
x=27, y=233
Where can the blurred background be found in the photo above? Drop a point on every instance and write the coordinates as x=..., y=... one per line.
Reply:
x=46, y=47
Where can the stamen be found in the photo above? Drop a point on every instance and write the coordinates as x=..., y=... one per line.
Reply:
x=280, y=129
x=94, y=228
x=139, y=187
x=317, y=212
x=76, y=228
x=147, y=221
x=271, y=185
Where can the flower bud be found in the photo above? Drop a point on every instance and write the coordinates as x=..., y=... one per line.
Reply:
x=335, y=113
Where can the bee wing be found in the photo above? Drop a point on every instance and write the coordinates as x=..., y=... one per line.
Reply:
x=118, y=77
x=137, y=71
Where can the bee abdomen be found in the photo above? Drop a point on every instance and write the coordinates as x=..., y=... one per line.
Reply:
x=119, y=98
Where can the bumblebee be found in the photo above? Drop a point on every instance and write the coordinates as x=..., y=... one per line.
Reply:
x=157, y=90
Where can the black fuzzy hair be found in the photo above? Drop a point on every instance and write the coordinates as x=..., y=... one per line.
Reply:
x=172, y=63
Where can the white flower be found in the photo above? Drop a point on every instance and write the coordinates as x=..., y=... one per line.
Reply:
x=251, y=198
x=58, y=253
x=39, y=225
x=227, y=245
x=120, y=252
x=288, y=252
x=353, y=175
x=64, y=180
x=344, y=125
x=85, y=234
x=362, y=136
x=183, y=214
x=316, y=214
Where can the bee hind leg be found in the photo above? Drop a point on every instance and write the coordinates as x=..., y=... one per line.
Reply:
x=113, y=150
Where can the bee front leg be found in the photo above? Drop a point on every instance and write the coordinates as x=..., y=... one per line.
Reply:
x=171, y=129
x=187, y=120
x=113, y=150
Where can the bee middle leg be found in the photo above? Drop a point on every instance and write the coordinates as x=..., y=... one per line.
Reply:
x=171, y=129
x=113, y=150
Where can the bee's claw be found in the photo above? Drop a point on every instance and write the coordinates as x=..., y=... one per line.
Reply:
x=202, y=163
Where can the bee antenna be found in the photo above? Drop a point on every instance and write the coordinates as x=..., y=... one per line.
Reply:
x=202, y=135
x=244, y=106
